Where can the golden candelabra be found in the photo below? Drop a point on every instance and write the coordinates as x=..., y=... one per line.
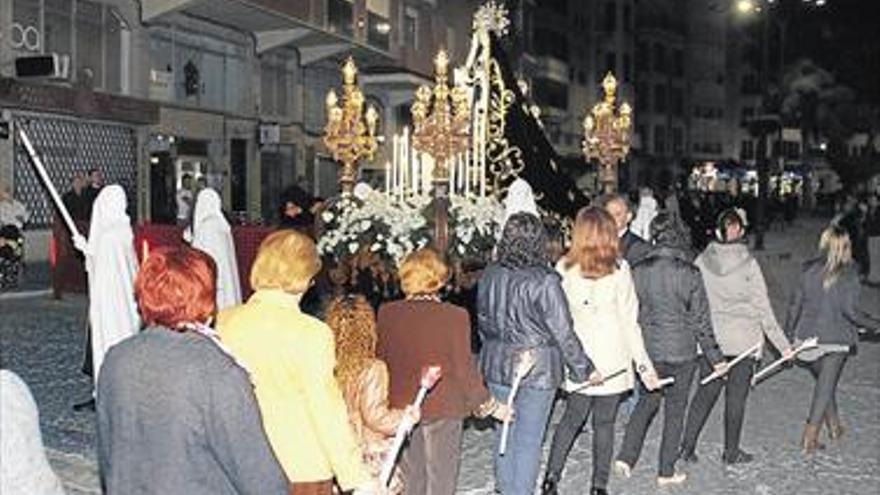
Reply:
x=441, y=126
x=607, y=134
x=350, y=133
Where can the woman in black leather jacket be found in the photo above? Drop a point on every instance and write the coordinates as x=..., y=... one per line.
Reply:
x=521, y=306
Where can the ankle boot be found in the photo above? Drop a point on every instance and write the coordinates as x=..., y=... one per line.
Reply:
x=549, y=486
x=835, y=428
x=810, y=441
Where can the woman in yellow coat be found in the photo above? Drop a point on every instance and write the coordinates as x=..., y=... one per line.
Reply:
x=291, y=357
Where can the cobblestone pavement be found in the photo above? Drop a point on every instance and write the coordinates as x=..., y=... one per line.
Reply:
x=40, y=339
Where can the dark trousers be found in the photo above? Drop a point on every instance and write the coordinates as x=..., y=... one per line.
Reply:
x=430, y=461
x=736, y=385
x=577, y=409
x=826, y=370
x=675, y=403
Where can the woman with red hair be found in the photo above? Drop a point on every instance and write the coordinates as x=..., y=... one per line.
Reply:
x=603, y=305
x=176, y=412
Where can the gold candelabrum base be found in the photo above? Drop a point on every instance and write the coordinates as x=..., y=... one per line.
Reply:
x=350, y=133
x=607, y=134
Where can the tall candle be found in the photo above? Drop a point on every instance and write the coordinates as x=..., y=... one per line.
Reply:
x=387, y=178
x=405, y=162
x=467, y=173
x=394, y=150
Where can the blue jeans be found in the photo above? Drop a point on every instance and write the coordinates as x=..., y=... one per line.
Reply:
x=516, y=472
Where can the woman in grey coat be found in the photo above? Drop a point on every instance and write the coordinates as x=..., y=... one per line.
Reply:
x=824, y=306
x=742, y=317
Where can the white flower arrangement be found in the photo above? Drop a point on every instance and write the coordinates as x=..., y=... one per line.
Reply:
x=473, y=226
x=371, y=220
x=390, y=227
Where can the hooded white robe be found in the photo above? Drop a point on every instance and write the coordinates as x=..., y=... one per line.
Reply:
x=111, y=265
x=641, y=224
x=213, y=235
x=24, y=468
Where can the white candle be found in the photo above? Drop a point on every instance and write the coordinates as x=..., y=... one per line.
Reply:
x=467, y=173
x=387, y=178
x=394, y=165
x=481, y=160
x=405, y=162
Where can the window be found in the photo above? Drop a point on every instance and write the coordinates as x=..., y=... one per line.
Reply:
x=550, y=93
x=58, y=33
x=659, y=58
x=551, y=43
x=750, y=84
x=678, y=102
x=747, y=150
x=642, y=55
x=340, y=17
x=610, y=16
x=678, y=63
x=88, y=32
x=610, y=62
x=276, y=80
x=659, y=139
x=627, y=18
x=643, y=96
x=660, y=98
x=376, y=34
x=411, y=29
x=206, y=72
x=642, y=133
x=677, y=140
x=627, y=67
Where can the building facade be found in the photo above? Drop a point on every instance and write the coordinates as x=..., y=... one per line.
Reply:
x=231, y=91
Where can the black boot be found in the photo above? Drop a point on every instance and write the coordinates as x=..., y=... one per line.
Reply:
x=549, y=486
x=598, y=491
x=88, y=405
x=738, y=456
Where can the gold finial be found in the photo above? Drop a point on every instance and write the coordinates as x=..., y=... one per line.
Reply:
x=441, y=64
x=609, y=84
x=349, y=71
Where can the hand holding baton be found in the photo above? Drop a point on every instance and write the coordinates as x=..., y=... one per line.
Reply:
x=524, y=362
x=430, y=376
x=753, y=350
x=807, y=344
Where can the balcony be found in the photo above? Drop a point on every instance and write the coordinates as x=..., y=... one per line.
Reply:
x=318, y=30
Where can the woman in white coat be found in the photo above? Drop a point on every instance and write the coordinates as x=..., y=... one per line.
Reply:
x=111, y=265
x=603, y=305
x=212, y=234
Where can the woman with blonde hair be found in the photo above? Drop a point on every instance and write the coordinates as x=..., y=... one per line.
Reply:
x=422, y=330
x=824, y=306
x=364, y=382
x=291, y=358
x=602, y=299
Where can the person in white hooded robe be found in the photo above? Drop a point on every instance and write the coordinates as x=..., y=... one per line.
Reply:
x=111, y=266
x=645, y=213
x=24, y=468
x=212, y=234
